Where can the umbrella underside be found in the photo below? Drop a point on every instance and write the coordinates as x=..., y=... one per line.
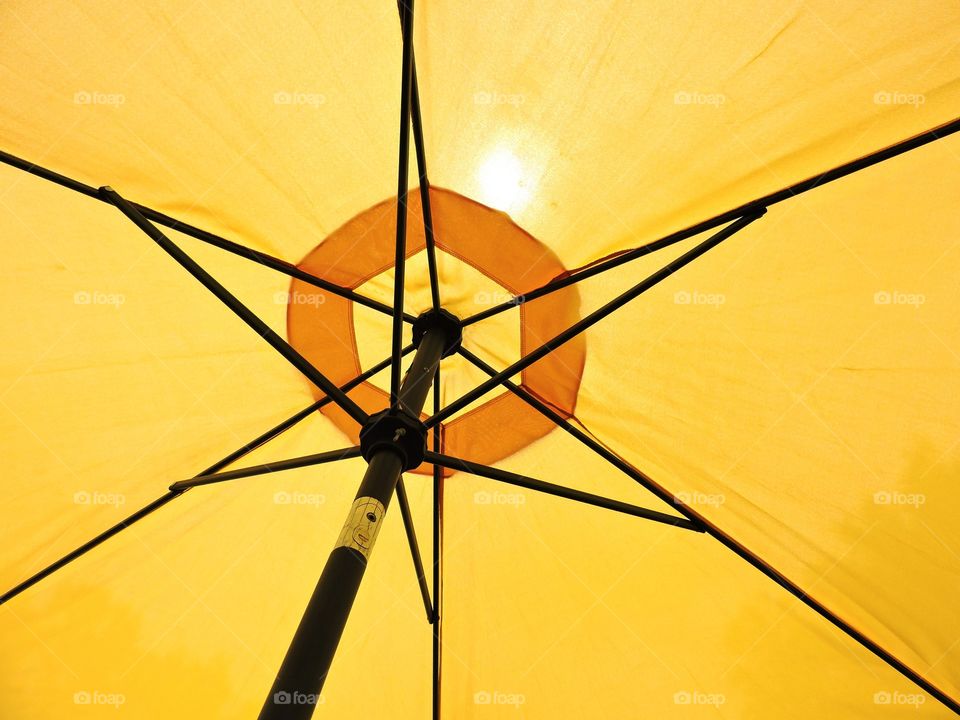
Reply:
x=785, y=385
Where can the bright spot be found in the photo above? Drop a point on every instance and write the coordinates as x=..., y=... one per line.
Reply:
x=502, y=182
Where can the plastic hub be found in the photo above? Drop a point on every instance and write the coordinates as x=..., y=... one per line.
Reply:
x=398, y=432
x=449, y=324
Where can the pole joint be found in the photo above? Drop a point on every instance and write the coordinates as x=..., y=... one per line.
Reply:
x=396, y=431
x=445, y=323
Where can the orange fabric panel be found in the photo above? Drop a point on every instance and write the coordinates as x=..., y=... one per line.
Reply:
x=321, y=326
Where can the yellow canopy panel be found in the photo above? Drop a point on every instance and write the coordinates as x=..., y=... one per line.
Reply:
x=788, y=391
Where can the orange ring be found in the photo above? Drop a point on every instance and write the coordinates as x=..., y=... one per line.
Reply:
x=323, y=332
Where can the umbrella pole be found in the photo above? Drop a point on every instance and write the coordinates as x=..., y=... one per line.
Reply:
x=393, y=441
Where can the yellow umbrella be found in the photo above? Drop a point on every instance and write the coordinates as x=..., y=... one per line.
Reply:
x=676, y=304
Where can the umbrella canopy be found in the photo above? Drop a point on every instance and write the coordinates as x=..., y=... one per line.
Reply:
x=792, y=390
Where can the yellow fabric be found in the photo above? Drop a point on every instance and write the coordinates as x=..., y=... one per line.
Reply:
x=798, y=383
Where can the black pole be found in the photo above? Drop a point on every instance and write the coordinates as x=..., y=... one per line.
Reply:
x=296, y=689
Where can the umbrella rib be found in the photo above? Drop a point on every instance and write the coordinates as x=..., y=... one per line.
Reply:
x=403, y=167
x=437, y=549
x=544, y=409
x=237, y=454
x=594, y=317
x=766, y=201
x=429, y=238
x=411, y=532
x=530, y=483
x=436, y=439
x=269, y=468
x=417, y=120
x=239, y=309
x=718, y=534
x=283, y=266
x=744, y=214
x=261, y=258
x=89, y=545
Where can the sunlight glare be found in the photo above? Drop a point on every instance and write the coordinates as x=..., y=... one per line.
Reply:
x=502, y=181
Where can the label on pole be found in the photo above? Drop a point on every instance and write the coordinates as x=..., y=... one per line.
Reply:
x=363, y=524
